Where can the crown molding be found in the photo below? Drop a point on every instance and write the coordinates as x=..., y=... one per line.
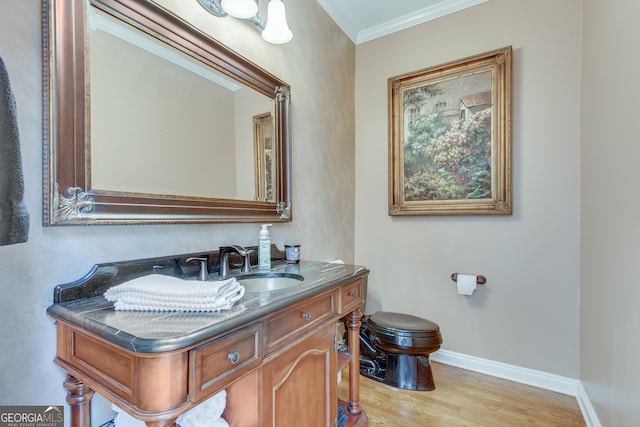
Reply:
x=331, y=7
x=421, y=16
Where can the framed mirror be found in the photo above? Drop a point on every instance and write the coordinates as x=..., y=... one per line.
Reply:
x=149, y=120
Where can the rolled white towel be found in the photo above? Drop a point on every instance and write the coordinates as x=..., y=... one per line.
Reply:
x=206, y=414
x=220, y=422
x=122, y=419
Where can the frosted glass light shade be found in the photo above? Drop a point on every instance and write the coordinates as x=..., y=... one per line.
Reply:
x=242, y=9
x=276, y=31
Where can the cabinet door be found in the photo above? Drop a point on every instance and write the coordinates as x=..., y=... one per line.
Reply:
x=299, y=382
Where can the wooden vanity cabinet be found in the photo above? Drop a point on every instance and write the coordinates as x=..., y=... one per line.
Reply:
x=351, y=296
x=279, y=371
x=288, y=324
x=216, y=364
x=299, y=382
x=301, y=362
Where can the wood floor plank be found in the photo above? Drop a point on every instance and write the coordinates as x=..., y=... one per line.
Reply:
x=464, y=398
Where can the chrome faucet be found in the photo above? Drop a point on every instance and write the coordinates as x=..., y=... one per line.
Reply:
x=204, y=270
x=224, y=252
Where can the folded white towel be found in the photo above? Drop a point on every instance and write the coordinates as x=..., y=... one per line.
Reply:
x=134, y=295
x=149, y=304
x=161, y=285
x=157, y=292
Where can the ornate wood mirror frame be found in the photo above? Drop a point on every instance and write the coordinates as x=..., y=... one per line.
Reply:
x=68, y=197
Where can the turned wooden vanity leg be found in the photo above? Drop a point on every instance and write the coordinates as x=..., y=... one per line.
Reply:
x=79, y=400
x=353, y=326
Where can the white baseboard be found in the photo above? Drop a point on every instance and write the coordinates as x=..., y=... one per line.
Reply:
x=588, y=411
x=508, y=372
x=531, y=377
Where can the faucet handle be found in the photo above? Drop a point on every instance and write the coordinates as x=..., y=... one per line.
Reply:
x=223, y=267
x=234, y=248
x=204, y=270
x=246, y=263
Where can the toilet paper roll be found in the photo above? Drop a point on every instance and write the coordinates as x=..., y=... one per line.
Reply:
x=466, y=284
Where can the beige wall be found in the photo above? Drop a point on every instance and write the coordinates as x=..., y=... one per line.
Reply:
x=528, y=313
x=610, y=234
x=319, y=63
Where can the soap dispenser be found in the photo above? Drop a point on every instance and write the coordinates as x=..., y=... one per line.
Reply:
x=264, y=248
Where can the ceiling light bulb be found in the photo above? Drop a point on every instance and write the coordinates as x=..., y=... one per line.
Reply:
x=242, y=9
x=276, y=31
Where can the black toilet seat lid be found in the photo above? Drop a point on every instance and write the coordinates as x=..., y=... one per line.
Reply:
x=403, y=323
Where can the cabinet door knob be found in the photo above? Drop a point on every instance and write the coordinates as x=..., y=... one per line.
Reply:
x=352, y=294
x=306, y=315
x=234, y=357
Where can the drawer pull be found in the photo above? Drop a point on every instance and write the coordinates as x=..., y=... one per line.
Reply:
x=234, y=357
x=306, y=315
x=352, y=294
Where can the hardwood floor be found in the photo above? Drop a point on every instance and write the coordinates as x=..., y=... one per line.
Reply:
x=465, y=398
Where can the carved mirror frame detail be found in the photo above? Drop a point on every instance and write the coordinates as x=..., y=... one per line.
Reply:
x=68, y=198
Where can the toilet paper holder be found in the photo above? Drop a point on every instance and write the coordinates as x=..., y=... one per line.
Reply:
x=480, y=280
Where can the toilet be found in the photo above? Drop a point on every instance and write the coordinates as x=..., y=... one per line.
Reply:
x=395, y=348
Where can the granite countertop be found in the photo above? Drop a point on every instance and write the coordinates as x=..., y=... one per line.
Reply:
x=154, y=332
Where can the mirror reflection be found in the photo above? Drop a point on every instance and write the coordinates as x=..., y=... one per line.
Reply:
x=204, y=134
x=265, y=156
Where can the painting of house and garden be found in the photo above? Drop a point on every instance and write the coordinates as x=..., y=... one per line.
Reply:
x=447, y=139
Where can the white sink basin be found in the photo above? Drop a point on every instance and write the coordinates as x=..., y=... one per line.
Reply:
x=268, y=282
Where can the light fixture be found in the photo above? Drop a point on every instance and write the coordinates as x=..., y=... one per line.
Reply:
x=275, y=30
x=243, y=9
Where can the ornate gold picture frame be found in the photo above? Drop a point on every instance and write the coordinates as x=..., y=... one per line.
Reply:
x=265, y=157
x=450, y=138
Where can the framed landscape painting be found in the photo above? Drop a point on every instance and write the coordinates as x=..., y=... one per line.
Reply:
x=450, y=138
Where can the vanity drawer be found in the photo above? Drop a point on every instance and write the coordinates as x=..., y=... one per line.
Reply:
x=216, y=364
x=280, y=327
x=351, y=296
